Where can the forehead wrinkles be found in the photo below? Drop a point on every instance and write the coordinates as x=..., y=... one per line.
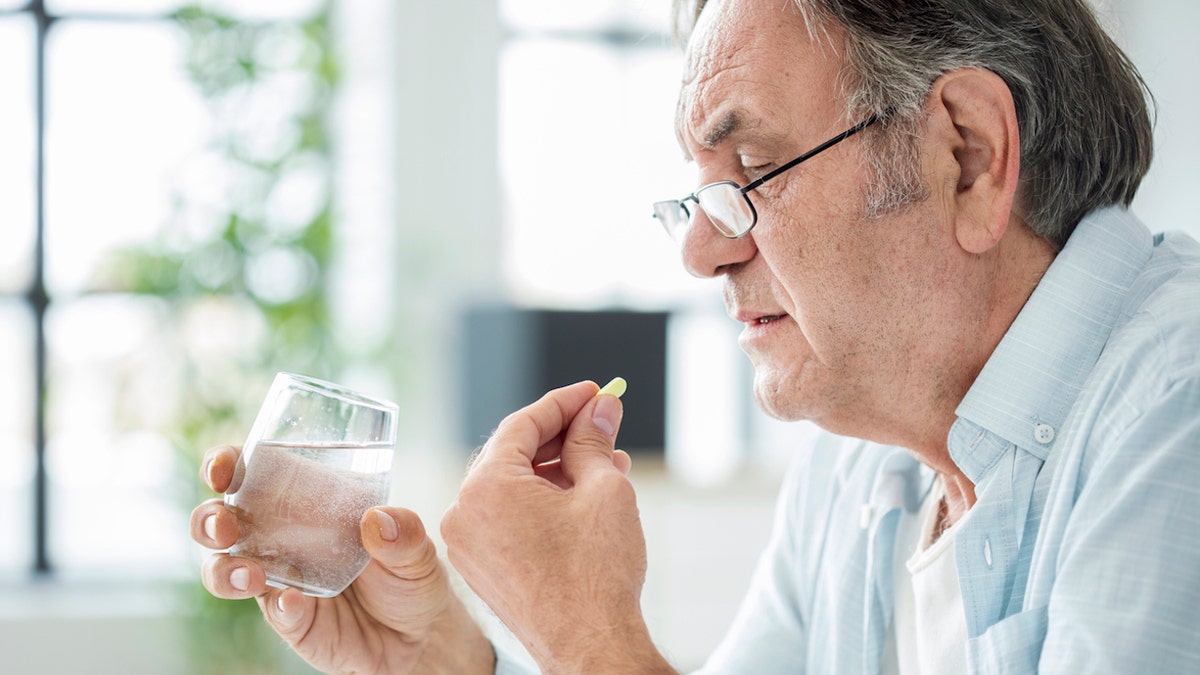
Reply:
x=723, y=98
x=707, y=114
x=744, y=61
x=713, y=50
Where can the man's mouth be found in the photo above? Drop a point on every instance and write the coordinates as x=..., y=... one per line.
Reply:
x=752, y=319
x=769, y=318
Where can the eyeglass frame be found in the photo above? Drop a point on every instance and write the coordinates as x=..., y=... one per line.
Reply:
x=745, y=191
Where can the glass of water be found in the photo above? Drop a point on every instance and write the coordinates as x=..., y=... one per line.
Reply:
x=318, y=456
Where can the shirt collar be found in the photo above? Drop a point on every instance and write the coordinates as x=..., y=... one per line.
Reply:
x=1031, y=380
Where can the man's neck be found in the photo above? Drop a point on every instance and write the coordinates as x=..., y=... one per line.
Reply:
x=1021, y=259
x=960, y=497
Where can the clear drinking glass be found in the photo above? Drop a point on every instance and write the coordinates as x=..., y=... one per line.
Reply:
x=318, y=456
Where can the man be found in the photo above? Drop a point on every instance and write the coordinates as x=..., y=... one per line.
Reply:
x=926, y=238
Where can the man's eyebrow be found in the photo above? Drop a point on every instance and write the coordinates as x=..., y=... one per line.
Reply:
x=730, y=122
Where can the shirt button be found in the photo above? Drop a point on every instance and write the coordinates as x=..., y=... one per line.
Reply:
x=864, y=516
x=1043, y=433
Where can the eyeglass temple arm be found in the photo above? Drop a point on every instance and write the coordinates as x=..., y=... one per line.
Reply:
x=808, y=155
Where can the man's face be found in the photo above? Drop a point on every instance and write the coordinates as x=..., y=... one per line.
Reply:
x=837, y=308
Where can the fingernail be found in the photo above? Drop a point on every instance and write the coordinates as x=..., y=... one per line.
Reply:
x=239, y=578
x=210, y=526
x=387, y=526
x=607, y=414
x=212, y=480
x=282, y=615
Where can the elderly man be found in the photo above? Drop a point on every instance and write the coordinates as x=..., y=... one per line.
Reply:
x=918, y=212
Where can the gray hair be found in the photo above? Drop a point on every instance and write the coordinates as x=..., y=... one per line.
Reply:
x=1082, y=113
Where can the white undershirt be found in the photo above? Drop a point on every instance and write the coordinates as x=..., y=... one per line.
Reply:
x=930, y=627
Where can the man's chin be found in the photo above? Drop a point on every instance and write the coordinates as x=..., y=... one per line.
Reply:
x=778, y=402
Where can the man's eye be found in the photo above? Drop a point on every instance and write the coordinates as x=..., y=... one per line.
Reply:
x=756, y=171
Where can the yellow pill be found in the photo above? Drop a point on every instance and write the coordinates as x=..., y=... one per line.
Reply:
x=616, y=387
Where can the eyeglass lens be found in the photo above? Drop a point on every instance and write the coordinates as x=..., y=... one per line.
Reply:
x=727, y=208
x=674, y=216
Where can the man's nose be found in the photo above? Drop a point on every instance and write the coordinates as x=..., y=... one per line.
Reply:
x=708, y=253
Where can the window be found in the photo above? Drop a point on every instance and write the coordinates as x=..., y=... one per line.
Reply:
x=102, y=135
x=587, y=143
x=17, y=325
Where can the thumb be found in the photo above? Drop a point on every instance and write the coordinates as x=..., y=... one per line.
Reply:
x=395, y=538
x=405, y=587
x=589, y=442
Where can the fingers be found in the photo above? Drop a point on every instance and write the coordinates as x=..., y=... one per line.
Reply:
x=522, y=434
x=573, y=421
x=622, y=461
x=217, y=467
x=213, y=525
x=588, y=444
x=232, y=578
x=289, y=612
x=552, y=471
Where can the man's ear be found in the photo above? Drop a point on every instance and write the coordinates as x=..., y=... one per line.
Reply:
x=984, y=140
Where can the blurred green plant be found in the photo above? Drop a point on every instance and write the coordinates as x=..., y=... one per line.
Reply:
x=248, y=253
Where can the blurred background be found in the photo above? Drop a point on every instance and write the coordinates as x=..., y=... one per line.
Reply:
x=446, y=204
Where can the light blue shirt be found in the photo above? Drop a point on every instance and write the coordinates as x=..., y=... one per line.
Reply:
x=1082, y=436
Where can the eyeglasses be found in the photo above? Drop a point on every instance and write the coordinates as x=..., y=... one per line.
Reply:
x=727, y=204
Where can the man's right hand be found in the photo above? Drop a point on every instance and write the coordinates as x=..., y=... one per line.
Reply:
x=399, y=616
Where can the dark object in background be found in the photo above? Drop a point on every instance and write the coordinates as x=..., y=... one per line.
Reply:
x=514, y=355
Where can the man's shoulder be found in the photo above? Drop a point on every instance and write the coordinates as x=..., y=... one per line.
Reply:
x=1158, y=339
x=1148, y=374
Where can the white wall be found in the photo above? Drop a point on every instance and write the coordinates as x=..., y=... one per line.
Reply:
x=1160, y=37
